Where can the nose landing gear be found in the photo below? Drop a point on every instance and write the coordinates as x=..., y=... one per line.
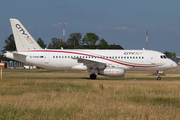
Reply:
x=158, y=78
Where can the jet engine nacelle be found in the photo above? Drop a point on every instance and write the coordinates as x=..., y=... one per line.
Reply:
x=112, y=71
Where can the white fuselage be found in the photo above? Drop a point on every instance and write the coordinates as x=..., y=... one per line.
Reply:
x=69, y=59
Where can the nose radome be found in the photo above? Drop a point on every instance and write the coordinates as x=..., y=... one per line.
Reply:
x=173, y=64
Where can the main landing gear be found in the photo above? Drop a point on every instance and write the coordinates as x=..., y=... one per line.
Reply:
x=93, y=76
x=158, y=78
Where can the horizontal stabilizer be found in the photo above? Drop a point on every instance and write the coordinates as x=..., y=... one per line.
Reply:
x=19, y=54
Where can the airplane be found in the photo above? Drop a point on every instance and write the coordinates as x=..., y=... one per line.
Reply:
x=112, y=63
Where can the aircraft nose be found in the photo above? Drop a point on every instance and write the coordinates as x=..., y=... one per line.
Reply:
x=173, y=64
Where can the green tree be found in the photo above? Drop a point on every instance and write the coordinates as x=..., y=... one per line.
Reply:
x=79, y=47
x=174, y=55
x=1, y=57
x=103, y=44
x=74, y=40
x=112, y=46
x=90, y=39
x=41, y=43
x=55, y=43
x=63, y=45
x=9, y=44
x=170, y=54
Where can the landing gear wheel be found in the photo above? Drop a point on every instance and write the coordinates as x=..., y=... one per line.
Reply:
x=93, y=76
x=158, y=78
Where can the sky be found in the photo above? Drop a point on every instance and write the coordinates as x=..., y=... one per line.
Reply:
x=120, y=22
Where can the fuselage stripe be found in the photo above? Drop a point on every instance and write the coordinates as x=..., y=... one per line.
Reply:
x=90, y=56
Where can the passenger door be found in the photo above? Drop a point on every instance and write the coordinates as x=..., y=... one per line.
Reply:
x=153, y=58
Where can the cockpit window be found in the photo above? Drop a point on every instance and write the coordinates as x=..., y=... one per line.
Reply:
x=163, y=57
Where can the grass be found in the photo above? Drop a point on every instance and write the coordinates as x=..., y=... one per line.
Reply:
x=75, y=96
x=40, y=70
x=72, y=71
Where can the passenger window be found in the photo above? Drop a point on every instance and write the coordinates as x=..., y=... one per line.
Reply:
x=53, y=56
x=127, y=57
x=56, y=56
x=59, y=56
x=124, y=57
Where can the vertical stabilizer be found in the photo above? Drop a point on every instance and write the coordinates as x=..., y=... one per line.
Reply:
x=24, y=41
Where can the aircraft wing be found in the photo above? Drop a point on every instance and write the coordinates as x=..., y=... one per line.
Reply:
x=91, y=63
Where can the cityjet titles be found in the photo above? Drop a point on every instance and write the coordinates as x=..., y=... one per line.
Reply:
x=133, y=53
x=23, y=33
x=20, y=29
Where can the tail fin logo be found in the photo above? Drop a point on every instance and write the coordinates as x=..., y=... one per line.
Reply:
x=19, y=27
x=23, y=33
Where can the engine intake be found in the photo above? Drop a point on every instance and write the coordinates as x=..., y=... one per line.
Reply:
x=112, y=72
